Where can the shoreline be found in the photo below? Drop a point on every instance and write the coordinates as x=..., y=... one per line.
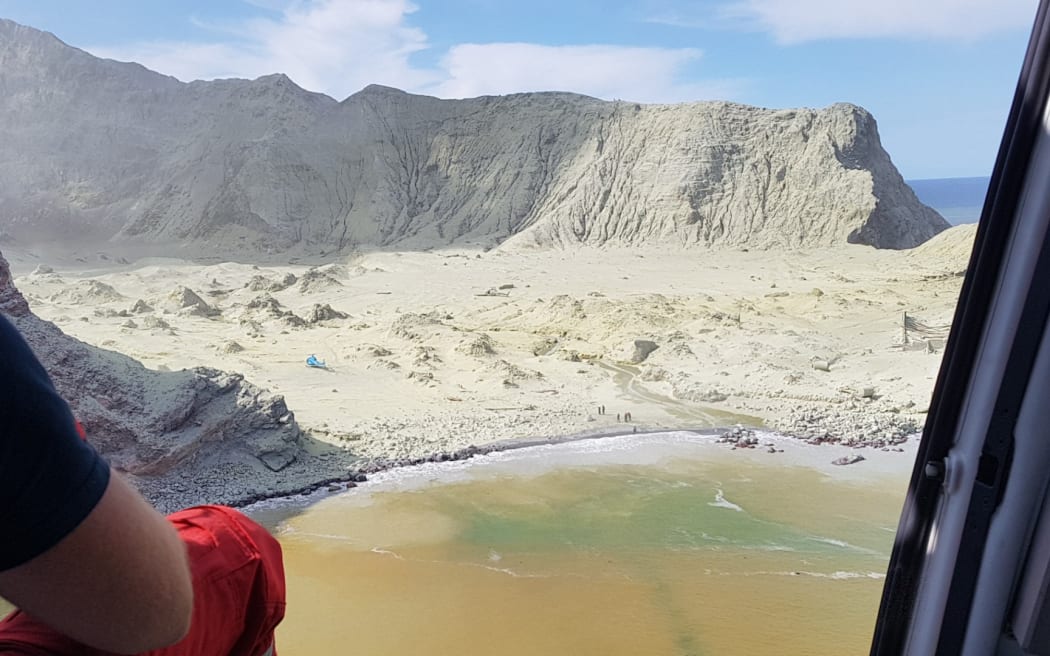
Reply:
x=724, y=438
x=375, y=465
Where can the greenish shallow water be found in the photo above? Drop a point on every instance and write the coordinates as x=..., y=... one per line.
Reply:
x=667, y=545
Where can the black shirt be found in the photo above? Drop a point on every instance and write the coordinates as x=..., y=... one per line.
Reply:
x=50, y=480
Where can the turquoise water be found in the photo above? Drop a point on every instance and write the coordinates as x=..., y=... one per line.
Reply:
x=622, y=508
x=657, y=545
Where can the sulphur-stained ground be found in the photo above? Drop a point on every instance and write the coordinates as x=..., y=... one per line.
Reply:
x=425, y=352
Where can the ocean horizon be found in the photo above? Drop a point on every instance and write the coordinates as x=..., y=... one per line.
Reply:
x=958, y=200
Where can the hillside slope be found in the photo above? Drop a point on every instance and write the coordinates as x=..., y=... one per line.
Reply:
x=97, y=149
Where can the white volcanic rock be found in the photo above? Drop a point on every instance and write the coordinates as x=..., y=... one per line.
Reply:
x=100, y=149
x=184, y=299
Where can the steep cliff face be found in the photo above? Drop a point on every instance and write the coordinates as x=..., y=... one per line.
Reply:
x=96, y=148
x=12, y=303
x=726, y=174
x=155, y=423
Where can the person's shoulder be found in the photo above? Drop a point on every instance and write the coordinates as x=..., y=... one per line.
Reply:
x=17, y=360
x=12, y=344
x=8, y=330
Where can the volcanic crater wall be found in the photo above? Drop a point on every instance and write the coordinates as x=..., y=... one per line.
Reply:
x=98, y=149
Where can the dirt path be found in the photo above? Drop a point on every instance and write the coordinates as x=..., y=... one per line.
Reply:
x=626, y=378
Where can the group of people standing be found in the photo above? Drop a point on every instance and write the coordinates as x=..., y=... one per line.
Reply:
x=626, y=416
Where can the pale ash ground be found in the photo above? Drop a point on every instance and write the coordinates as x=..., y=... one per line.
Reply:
x=426, y=361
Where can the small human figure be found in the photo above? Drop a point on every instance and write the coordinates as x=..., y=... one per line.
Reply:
x=627, y=416
x=617, y=417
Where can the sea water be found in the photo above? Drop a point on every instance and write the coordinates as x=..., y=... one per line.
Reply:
x=958, y=200
x=655, y=544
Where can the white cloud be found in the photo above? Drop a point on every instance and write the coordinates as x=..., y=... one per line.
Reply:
x=794, y=21
x=340, y=46
x=333, y=46
x=710, y=19
x=639, y=74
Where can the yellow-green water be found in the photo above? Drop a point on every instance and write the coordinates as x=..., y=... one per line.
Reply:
x=655, y=550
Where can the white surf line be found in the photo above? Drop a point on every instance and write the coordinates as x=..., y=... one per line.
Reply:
x=843, y=544
x=837, y=575
x=721, y=502
x=321, y=536
x=387, y=552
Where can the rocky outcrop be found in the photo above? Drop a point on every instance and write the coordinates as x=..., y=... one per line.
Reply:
x=642, y=349
x=184, y=299
x=100, y=149
x=324, y=312
x=155, y=423
x=12, y=303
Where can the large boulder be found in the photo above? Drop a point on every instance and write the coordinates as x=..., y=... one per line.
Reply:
x=186, y=301
x=639, y=350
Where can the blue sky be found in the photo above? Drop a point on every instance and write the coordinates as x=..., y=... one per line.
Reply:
x=938, y=75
